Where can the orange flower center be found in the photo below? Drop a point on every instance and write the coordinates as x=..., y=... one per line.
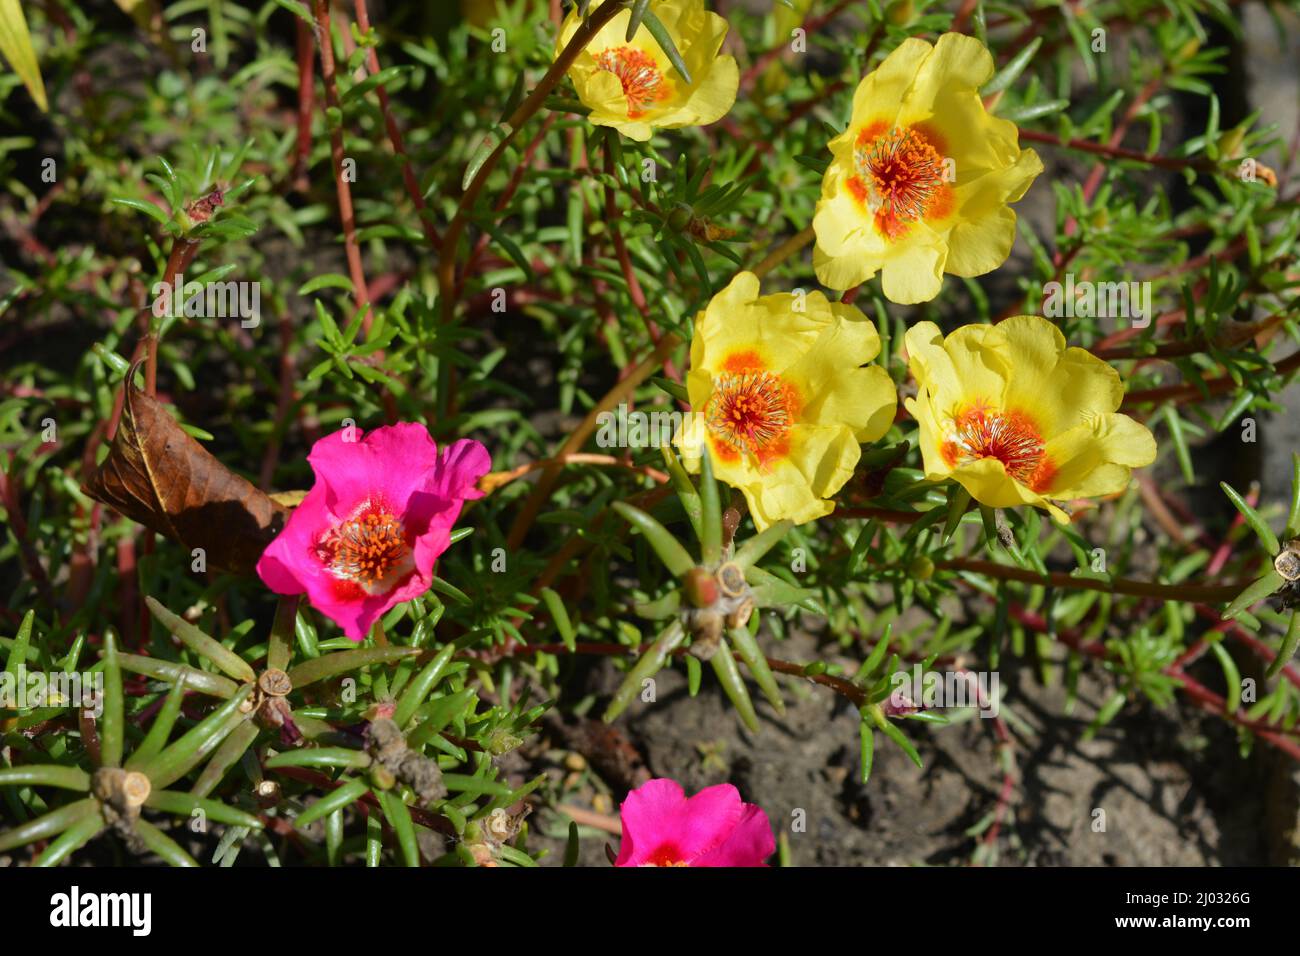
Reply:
x=666, y=855
x=370, y=549
x=643, y=82
x=1011, y=437
x=750, y=413
x=898, y=174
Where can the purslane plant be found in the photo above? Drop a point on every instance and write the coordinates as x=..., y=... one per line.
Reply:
x=539, y=261
x=781, y=398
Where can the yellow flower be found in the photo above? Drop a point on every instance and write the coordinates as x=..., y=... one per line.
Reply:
x=919, y=182
x=779, y=394
x=633, y=87
x=1016, y=417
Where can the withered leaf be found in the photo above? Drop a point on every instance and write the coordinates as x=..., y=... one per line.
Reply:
x=158, y=475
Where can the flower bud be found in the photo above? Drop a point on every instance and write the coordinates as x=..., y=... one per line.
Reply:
x=679, y=220
x=700, y=588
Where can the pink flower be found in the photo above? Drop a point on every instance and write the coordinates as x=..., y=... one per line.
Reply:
x=661, y=827
x=380, y=513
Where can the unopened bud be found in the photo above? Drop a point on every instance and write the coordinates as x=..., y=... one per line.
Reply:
x=700, y=588
x=679, y=220
x=900, y=12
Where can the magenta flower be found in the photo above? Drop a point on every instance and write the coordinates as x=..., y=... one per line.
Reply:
x=661, y=827
x=380, y=513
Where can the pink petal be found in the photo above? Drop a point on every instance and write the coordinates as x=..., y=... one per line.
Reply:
x=658, y=820
x=750, y=843
x=433, y=511
x=389, y=463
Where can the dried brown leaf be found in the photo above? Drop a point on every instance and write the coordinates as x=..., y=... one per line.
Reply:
x=158, y=475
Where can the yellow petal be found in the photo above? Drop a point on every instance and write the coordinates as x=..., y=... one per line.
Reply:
x=914, y=273
x=880, y=94
x=821, y=460
x=988, y=483
x=1062, y=387
x=1095, y=458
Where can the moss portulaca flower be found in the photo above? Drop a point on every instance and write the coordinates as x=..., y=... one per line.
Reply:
x=783, y=397
x=1017, y=418
x=920, y=181
x=661, y=827
x=367, y=535
x=632, y=86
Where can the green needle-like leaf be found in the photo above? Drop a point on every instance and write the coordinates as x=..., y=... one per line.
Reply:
x=710, y=514
x=1253, y=594
x=890, y=730
x=201, y=644
x=398, y=816
x=419, y=688
x=753, y=550
x=341, y=797
x=560, y=615
x=331, y=665
x=1231, y=678
x=321, y=757
x=670, y=551
x=665, y=41
x=1289, y=642
x=686, y=491
x=160, y=731
x=184, y=805
x=73, y=838
x=747, y=648
x=280, y=648
x=46, y=826
x=212, y=684
x=45, y=775
x=163, y=845
x=867, y=747
x=724, y=665
x=16, y=45
x=21, y=643
x=639, y=8
x=176, y=760
x=226, y=756
x=651, y=663
x=1257, y=524
x=1011, y=72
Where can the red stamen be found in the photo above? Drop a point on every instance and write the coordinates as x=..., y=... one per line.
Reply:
x=1011, y=437
x=899, y=176
x=750, y=412
x=369, y=549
